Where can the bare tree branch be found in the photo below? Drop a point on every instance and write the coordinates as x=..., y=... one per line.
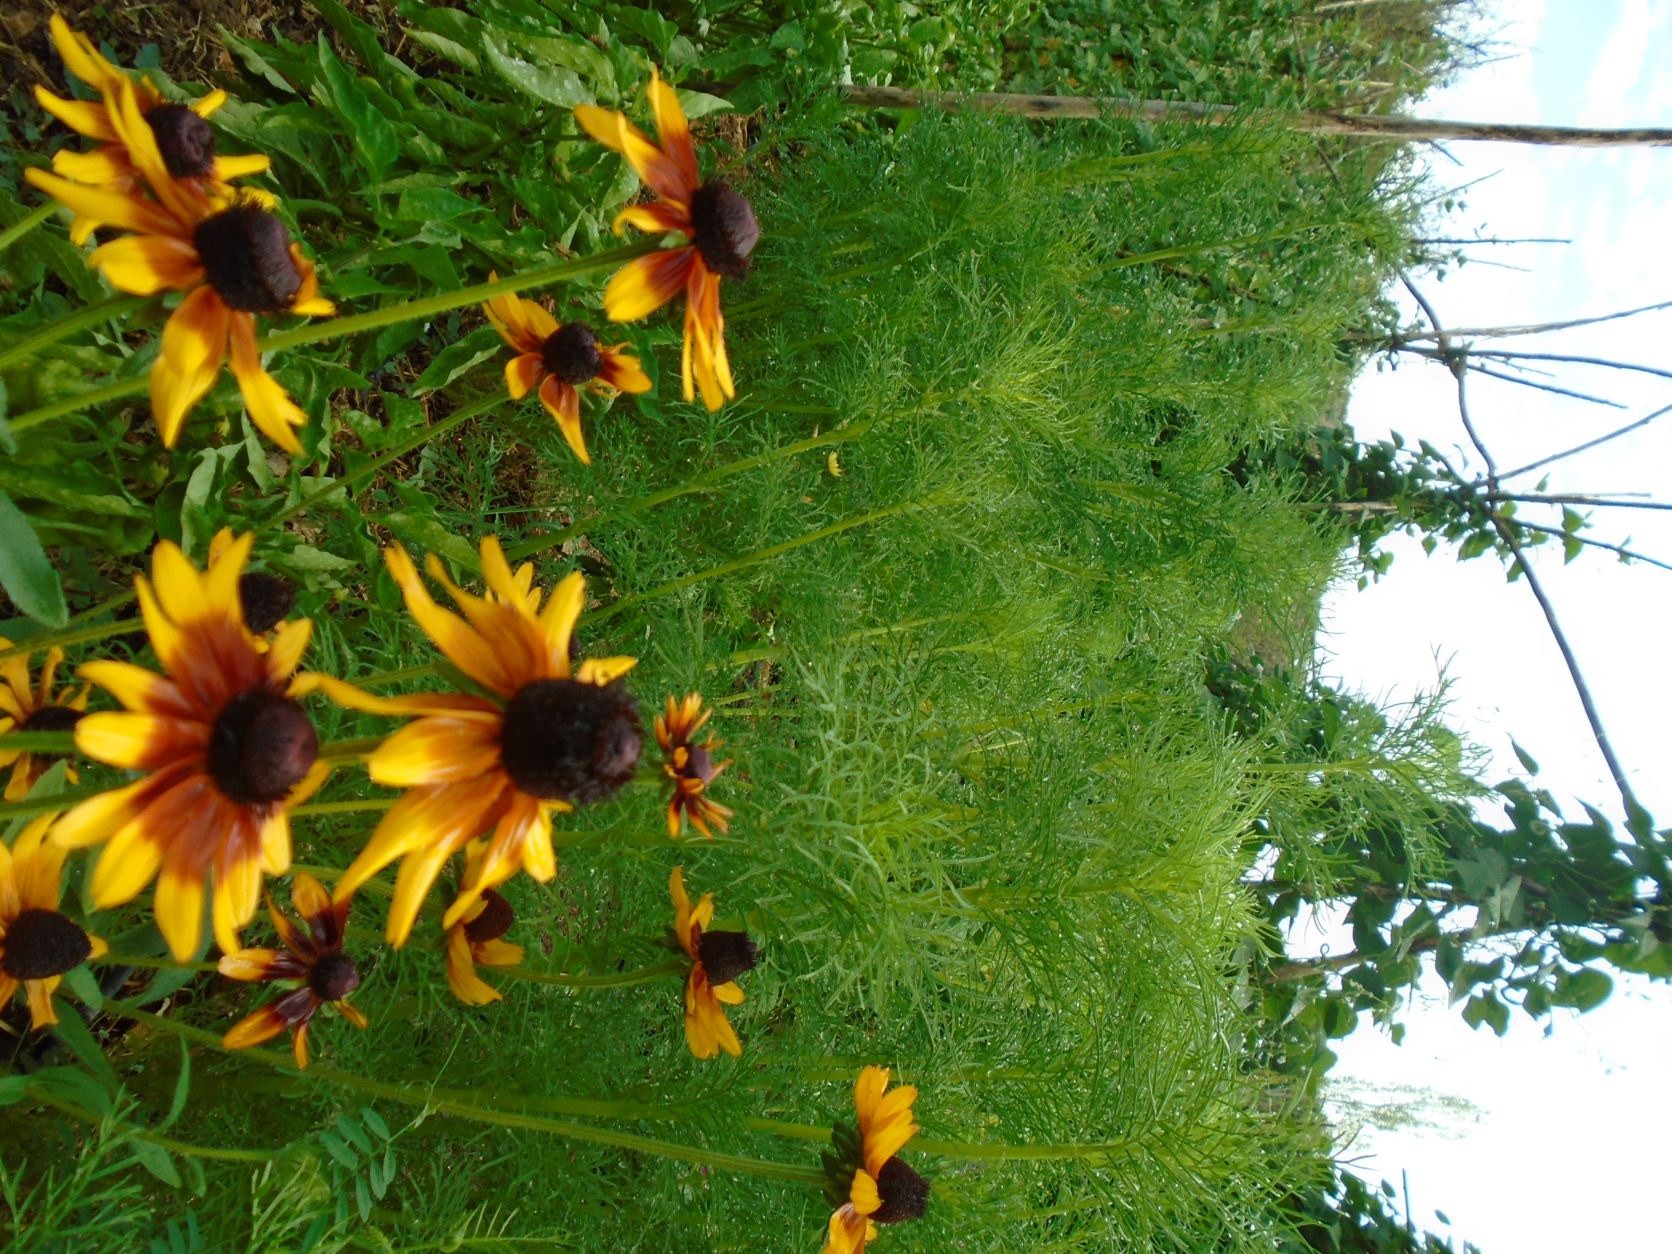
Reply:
x=1379, y=125
x=1588, y=444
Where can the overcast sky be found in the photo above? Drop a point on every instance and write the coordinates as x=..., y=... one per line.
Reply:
x=1567, y=1152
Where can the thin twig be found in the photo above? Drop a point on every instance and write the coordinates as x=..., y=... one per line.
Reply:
x=1508, y=355
x=1458, y=362
x=1600, y=502
x=1530, y=328
x=1631, y=554
x=1588, y=444
x=1543, y=387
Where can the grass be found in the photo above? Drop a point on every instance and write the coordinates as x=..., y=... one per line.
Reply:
x=950, y=569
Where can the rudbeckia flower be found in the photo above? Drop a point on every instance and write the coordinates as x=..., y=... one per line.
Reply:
x=37, y=942
x=719, y=222
x=690, y=766
x=549, y=736
x=29, y=708
x=883, y=1189
x=265, y=599
x=232, y=258
x=313, y=955
x=717, y=959
x=182, y=136
x=225, y=749
x=475, y=938
x=558, y=358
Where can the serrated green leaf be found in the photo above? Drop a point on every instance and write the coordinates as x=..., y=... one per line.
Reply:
x=25, y=573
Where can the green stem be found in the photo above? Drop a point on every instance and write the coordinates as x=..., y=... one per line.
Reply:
x=39, y=742
x=763, y=555
x=622, y=979
x=80, y=635
x=349, y=750
x=63, y=328
x=344, y=807
x=36, y=1093
x=394, y=454
x=25, y=224
x=316, y=332
x=470, y=1107
x=36, y=806
x=702, y=483
x=153, y=963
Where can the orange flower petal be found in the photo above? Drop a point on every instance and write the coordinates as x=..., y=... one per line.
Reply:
x=647, y=283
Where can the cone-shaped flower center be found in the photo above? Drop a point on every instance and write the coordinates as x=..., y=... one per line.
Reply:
x=568, y=741
x=494, y=921
x=40, y=944
x=261, y=747
x=52, y=718
x=571, y=353
x=726, y=955
x=699, y=763
x=904, y=1193
x=246, y=252
x=266, y=599
x=185, y=140
x=724, y=228
x=334, y=976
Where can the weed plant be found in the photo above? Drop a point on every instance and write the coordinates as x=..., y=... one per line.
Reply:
x=949, y=570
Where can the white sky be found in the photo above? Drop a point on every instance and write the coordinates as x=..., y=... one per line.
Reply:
x=1568, y=1153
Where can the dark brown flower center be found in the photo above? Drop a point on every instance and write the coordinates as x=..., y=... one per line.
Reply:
x=246, y=252
x=494, y=921
x=904, y=1193
x=266, y=599
x=699, y=763
x=726, y=955
x=261, y=747
x=40, y=944
x=51, y=718
x=334, y=976
x=568, y=741
x=571, y=353
x=724, y=228
x=185, y=140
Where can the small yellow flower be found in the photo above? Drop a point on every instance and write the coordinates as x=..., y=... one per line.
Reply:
x=28, y=708
x=548, y=736
x=475, y=938
x=719, y=222
x=313, y=955
x=558, y=358
x=181, y=134
x=690, y=766
x=38, y=943
x=717, y=959
x=883, y=1190
x=225, y=749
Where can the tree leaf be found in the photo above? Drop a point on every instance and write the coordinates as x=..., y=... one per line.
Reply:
x=25, y=573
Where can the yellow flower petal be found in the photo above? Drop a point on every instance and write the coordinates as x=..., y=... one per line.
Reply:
x=194, y=343
x=436, y=750
x=141, y=742
x=563, y=403
x=269, y=405
x=647, y=283
x=145, y=264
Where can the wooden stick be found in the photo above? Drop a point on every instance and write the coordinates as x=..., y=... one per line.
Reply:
x=1381, y=125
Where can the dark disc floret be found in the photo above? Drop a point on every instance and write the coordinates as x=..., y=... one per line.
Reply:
x=265, y=600
x=904, y=1193
x=727, y=955
x=41, y=943
x=699, y=763
x=261, y=747
x=571, y=353
x=246, y=252
x=565, y=740
x=494, y=921
x=184, y=139
x=724, y=228
x=334, y=976
x=51, y=718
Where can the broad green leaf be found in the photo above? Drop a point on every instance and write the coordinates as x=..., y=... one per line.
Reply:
x=156, y=1160
x=182, y=1087
x=25, y=573
x=555, y=84
x=457, y=358
x=699, y=104
x=72, y=1029
x=373, y=134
